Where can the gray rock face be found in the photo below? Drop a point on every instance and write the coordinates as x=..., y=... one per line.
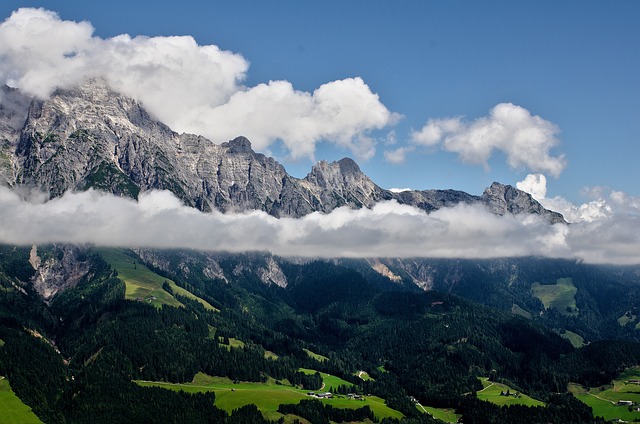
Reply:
x=93, y=137
x=502, y=199
x=64, y=267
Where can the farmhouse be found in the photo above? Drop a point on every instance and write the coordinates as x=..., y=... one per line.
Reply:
x=625, y=402
x=325, y=395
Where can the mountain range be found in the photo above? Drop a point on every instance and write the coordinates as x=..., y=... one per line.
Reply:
x=90, y=335
x=90, y=136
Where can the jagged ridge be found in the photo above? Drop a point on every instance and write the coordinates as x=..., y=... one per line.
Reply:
x=91, y=136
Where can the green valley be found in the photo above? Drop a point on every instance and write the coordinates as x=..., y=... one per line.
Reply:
x=401, y=355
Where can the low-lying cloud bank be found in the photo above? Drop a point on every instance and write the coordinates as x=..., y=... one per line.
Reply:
x=190, y=87
x=158, y=219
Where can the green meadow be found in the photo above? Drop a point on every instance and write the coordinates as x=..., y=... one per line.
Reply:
x=316, y=356
x=363, y=375
x=604, y=400
x=328, y=379
x=627, y=318
x=13, y=411
x=560, y=296
x=517, y=310
x=491, y=393
x=144, y=284
x=446, y=415
x=576, y=339
x=268, y=396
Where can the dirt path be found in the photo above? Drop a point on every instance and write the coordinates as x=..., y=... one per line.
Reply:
x=485, y=388
x=598, y=397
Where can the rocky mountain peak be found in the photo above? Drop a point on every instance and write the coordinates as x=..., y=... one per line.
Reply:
x=238, y=145
x=502, y=198
x=91, y=136
x=349, y=167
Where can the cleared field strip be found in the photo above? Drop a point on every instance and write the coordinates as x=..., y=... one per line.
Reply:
x=144, y=284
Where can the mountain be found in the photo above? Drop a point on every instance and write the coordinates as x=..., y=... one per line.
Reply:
x=93, y=137
x=100, y=351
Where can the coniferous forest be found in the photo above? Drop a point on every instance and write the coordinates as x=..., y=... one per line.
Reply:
x=78, y=357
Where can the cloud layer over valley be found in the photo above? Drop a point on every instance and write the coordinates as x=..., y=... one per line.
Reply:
x=158, y=219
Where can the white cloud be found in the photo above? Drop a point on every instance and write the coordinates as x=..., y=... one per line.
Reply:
x=398, y=156
x=342, y=111
x=535, y=185
x=391, y=138
x=191, y=88
x=604, y=205
x=159, y=220
x=525, y=139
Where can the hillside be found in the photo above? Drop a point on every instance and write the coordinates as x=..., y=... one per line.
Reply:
x=91, y=344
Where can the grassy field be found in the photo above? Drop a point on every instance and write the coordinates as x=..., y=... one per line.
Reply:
x=363, y=375
x=232, y=343
x=12, y=410
x=316, y=356
x=328, y=379
x=491, y=393
x=517, y=310
x=576, y=340
x=268, y=396
x=446, y=415
x=626, y=318
x=560, y=296
x=142, y=283
x=270, y=355
x=604, y=399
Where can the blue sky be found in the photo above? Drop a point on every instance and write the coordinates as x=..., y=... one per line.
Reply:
x=575, y=64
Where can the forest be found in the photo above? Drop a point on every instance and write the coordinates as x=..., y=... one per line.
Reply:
x=77, y=358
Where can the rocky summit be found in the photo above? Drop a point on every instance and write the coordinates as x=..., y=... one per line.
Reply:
x=93, y=137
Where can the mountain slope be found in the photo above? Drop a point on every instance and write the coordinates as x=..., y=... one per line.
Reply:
x=91, y=136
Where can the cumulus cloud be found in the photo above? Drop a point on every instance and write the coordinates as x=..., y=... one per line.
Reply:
x=342, y=111
x=159, y=220
x=190, y=87
x=525, y=139
x=535, y=185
